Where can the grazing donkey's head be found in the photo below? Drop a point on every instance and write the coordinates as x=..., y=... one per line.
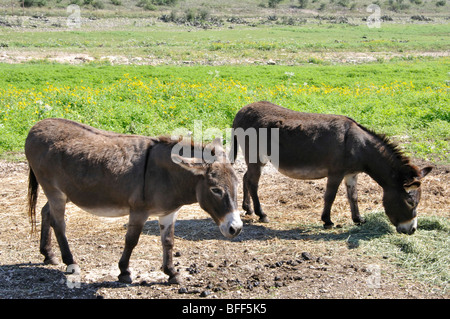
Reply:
x=217, y=189
x=401, y=202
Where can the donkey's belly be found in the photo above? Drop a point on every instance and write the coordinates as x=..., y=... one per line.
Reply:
x=304, y=172
x=107, y=211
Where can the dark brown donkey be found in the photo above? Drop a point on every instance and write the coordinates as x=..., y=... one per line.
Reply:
x=111, y=175
x=313, y=146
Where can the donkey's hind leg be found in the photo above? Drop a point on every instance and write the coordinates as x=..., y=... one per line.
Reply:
x=46, y=237
x=246, y=202
x=252, y=180
x=333, y=183
x=136, y=223
x=57, y=203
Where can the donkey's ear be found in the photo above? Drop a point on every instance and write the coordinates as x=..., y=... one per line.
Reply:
x=191, y=164
x=424, y=171
x=220, y=150
x=217, y=146
x=218, y=142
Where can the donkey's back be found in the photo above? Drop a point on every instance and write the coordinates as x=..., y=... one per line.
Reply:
x=310, y=145
x=90, y=166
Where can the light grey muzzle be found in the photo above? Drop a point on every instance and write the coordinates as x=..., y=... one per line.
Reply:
x=232, y=225
x=408, y=227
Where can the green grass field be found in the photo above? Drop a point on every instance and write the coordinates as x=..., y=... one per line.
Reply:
x=408, y=100
x=287, y=45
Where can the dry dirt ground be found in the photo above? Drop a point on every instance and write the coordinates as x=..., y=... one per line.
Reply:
x=291, y=257
x=19, y=56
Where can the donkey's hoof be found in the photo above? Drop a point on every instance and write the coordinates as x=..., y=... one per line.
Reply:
x=175, y=280
x=50, y=261
x=125, y=279
x=360, y=221
x=73, y=269
x=264, y=219
x=328, y=225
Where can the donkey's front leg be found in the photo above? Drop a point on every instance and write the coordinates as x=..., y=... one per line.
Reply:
x=135, y=225
x=166, y=226
x=352, y=195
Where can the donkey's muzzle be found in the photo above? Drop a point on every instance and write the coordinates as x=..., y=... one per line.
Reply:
x=232, y=225
x=408, y=227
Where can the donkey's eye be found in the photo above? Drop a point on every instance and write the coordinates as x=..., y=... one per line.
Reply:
x=217, y=191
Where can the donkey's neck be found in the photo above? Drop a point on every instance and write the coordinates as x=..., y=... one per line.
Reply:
x=185, y=186
x=179, y=185
x=382, y=162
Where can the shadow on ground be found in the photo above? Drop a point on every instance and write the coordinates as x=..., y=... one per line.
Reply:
x=205, y=229
x=39, y=281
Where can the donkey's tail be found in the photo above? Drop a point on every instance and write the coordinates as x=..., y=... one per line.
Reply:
x=33, y=187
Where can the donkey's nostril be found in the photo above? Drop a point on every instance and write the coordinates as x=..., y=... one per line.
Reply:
x=234, y=231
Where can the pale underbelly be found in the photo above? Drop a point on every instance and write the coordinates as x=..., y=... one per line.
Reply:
x=304, y=173
x=107, y=211
x=123, y=211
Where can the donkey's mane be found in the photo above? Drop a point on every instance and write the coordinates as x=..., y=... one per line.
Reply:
x=390, y=149
x=169, y=141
